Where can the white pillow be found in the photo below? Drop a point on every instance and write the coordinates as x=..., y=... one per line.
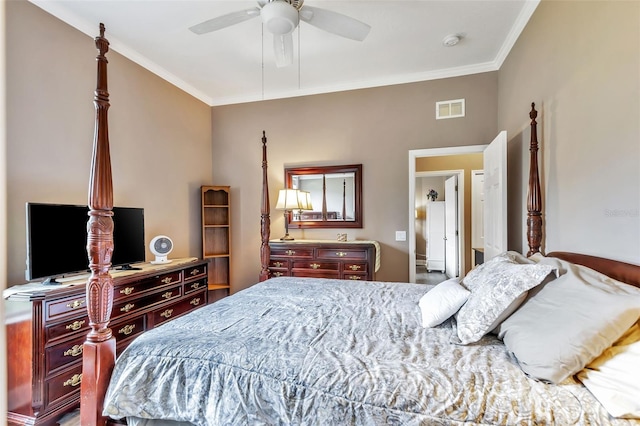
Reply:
x=442, y=301
x=614, y=377
x=569, y=322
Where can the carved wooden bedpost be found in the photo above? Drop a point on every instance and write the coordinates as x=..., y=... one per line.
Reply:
x=99, y=350
x=265, y=220
x=534, y=197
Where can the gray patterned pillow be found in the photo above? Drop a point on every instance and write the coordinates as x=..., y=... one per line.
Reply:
x=497, y=288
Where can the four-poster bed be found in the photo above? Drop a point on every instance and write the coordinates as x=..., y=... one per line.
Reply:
x=307, y=351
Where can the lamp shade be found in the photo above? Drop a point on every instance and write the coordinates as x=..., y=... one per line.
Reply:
x=288, y=199
x=305, y=200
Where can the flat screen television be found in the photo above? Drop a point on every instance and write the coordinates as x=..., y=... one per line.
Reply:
x=57, y=239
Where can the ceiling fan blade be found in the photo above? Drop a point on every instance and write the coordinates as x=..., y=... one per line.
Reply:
x=283, y=49
x=225, y=21
x=335, y=23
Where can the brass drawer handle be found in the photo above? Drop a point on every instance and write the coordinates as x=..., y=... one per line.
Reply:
x=75, y=304
x=127, y=307
x=354, y=277
x=277, y=274
x=315, y=265
x=195, y=272
x=341, y=254
x=167, y=280
x=278, y=264
x=167, y=295
x=127, y=329
x=195, y=301
x=167, y=313
x=290, y=252
x=74, y=351
x=196, y=286
x=127, y=290
x=76, y=325
x=354, y=267
x=73, y=381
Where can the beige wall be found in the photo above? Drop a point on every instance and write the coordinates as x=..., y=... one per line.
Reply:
x=160, y=136
x=466, y=162
x=585, y=83
x=375, y=127
x=580, y=62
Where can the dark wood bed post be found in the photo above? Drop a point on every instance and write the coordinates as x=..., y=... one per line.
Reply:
x=265, y=220
x=534, y=197
x=99, y=349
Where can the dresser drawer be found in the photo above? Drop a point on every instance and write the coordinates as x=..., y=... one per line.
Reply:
x=196, y=285
x=59, y=308
x=316, y=265
x=164, y=279
x=351, y=267
x=278, y=273
x=130, y=289
x=354, y=276
x=194, y=272
x=58, y=388
x=165, y=313
x=292, y=252
x=63, y=354
x=319, y=273
x=129, y=306
x=339, y=253
x=130, y=328
x=279, y=263
x=64, y=329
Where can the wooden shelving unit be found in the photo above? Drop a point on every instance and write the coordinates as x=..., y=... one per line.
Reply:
x=216, y=238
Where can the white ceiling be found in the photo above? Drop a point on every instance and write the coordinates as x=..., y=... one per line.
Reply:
x=232, y=65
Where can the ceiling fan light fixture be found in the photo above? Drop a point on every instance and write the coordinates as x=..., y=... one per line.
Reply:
x=279, y=17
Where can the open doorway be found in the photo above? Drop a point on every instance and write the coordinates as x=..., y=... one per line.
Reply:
x=468, y=157
x=438, y=208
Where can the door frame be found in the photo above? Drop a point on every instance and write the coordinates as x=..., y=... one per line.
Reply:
x=414, y=154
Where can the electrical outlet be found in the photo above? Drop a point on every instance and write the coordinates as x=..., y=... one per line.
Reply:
x=401, y=235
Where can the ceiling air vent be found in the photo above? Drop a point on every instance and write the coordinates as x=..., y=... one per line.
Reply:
x=450, y=109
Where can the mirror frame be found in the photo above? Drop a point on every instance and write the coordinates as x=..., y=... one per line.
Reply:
x=356, y=169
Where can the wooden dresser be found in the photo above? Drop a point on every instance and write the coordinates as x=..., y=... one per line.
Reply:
x=46, y=331
x=324, y=259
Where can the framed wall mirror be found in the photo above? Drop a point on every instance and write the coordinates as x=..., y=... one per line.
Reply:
x=335, y=192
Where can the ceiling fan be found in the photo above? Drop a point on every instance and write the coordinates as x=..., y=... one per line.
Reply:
x=281, y=17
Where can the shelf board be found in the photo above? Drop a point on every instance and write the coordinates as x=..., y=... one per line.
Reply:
x=218, y=286
x=213, y=256
x=217, y=205
x=216, y=226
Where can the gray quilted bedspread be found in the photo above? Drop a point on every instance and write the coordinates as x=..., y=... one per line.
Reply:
x=301, y=351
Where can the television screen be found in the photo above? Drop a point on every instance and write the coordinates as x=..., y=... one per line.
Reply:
x=57, y=239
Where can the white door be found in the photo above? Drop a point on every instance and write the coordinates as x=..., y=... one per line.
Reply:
x=435, y=236
x=451, y=226
x=477, y=209
x=495, y=196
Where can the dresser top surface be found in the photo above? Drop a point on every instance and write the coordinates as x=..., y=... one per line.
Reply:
x=35, y=289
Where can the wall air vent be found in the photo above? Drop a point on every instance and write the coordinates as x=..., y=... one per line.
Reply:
x=450, y=109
